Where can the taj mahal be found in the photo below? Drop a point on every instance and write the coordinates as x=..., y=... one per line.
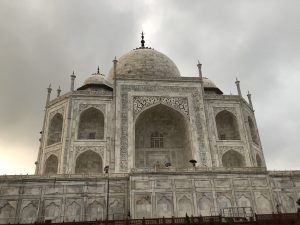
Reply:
x=144, y=141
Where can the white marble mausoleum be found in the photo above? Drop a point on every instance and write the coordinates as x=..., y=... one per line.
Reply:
x=125, y=142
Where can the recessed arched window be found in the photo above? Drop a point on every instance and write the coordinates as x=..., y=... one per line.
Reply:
x=91, y=124
x=51, y=165
x=157, y=140
x=55, y=129
x=161, y=138
x=88, y=162
x=227, y=126
x=233, y=159
x=253, y=132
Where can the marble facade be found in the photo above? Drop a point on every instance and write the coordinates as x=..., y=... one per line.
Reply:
x=146, y=122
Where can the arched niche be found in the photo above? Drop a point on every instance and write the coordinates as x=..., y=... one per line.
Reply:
x=243, y=201
x=164, y=207
x=253, y=132
x=73, y=212
x=88, y=162
x=185, y=207
x=205, y=206
x=263, y=205
x=223, y=202
x=51, y=165
x=29, y=214
x=258, y=161
x=95, y=211
x=233, y=159
x=7, y=213
x=55, y=129
x=227, y=126
x=52, y=212
x=162, y=136
x=143, y=207
x=91, y=124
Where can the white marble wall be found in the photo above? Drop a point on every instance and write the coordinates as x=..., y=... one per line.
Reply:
x=79, y=198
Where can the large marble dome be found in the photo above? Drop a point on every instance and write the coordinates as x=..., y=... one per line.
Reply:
x=145, y=62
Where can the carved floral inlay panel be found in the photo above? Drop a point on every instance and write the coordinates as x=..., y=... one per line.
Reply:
x=223, y=149
x=142, y=102
x=81, y=149
x=55, y=152
x=229, y=109
x=60, y=111
x=83, y=107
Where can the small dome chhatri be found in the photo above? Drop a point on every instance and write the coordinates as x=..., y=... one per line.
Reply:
x=95, y=80
x=210, y=86
x=146, y=62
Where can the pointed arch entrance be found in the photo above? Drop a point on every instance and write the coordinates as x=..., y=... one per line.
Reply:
x=55, y=129
x=51, y=165
x=162, y=136
x=91, y=124
x=227, y=126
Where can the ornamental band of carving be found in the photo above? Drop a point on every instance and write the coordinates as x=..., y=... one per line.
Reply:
x=223, y=149
x=142, y=102
x=229, y=109
x=81, y=149
x=101, y=107
x=60, y=111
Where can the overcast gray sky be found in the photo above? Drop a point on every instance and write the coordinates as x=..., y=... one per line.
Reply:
x=41, y=42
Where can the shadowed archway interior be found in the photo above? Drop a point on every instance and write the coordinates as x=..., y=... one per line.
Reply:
x=161, y=136
x=88, y=162
x=51, y=165
x=227, y=126
x=233, y=159
x=91, y=124
x=55, y=129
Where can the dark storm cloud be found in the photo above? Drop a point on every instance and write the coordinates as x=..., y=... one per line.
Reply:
x=41, y=42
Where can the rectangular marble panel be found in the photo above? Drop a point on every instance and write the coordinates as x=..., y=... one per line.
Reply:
x=96, y=189
x=74, y=189
x=142, y=184
x=54, y=190
x=259, y=182
x=32, y=190
x=183, y=184
x=202, y=183
x=9, y=191
x=222, y=182
x=117, y=187
x=163, y=184
x=240, y=182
